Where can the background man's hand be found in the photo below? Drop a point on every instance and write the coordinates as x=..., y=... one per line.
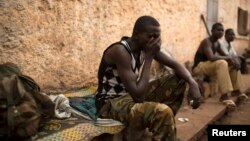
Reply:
x=234, y=63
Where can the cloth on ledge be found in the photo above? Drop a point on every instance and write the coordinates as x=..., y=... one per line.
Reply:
x=71, y=124
x=85, y=105
x=62, y=107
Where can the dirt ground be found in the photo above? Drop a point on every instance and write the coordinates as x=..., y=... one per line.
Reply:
x=241, y=116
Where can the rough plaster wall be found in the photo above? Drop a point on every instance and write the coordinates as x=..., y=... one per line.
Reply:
x=60, y=42
x=228, y=15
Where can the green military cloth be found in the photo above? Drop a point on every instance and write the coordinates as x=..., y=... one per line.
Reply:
x=156, y=113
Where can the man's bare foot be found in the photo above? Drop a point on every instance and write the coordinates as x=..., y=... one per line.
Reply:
x=228, y=102
x=241, y=96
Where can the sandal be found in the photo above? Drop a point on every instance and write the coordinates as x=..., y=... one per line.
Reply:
x=229, y=104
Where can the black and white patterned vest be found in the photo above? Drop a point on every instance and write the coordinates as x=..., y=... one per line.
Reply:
x=110, y=85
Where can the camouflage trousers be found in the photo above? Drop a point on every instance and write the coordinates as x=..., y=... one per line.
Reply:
x=156, y=113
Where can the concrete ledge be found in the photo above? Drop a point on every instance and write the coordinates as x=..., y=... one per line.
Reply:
x=207, y=113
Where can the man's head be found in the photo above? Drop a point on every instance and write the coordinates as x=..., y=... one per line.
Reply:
x=229, y=35
x=145, y=28
x=217, y=30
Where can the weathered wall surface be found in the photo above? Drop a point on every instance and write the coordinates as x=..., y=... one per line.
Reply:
x=228, y=15
x=60, y=42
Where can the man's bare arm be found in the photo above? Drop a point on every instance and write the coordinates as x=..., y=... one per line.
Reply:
x=182, y=72
x=207, y=50
x=137, y=88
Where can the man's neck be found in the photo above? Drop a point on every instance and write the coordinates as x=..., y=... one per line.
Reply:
x=228, y=41
x=213, y=39
x=133, y=45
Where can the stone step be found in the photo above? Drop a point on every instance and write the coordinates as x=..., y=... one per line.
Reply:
x=198, y=119
x=208, y=113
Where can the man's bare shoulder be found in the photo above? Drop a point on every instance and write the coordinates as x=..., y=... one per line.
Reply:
x=205, y=43
x=116, y=52
x=117, y=49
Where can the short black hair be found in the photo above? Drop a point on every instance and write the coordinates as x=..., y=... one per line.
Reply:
x=216, y=25
x=228, y=30
x=144, y=21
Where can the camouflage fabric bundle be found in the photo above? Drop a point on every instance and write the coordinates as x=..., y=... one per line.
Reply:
x=21, y=103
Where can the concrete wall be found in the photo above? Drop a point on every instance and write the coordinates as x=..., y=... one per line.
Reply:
x=60, y=42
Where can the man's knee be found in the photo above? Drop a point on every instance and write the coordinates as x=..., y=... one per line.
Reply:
x=151, y=108
x=221, y=63
x=160, y=107
x=163, y=112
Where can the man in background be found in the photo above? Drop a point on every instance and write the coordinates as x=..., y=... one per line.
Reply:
x=208, y=64
x=227, y=47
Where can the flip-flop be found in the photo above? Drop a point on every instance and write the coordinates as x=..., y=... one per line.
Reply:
x=229, y=104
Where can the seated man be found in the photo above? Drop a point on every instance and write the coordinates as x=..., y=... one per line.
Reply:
x=124, y=92
x=223, y=68
x=227, y=47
